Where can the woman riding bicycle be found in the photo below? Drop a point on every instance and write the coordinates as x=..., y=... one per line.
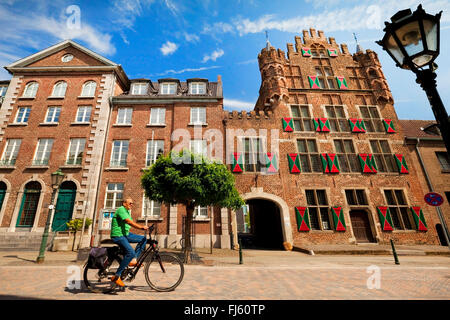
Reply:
x=121, y=235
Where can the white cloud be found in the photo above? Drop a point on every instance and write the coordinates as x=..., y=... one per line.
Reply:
x=171, y=71
x=238, y=105
x=213, y=56
x=168, y=48
x=217, y=28
x=190, y=37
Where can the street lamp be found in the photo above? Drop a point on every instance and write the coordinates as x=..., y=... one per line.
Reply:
x=412, y=41
x=57, y=178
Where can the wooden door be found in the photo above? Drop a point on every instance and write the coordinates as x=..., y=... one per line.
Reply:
x=63, y=209
x=361, y=226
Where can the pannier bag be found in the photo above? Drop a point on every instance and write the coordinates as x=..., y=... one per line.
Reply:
x=98, y=258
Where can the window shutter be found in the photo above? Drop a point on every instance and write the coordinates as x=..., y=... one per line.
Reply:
x=288, y=124
x=294, y=162
x=316, y=124
x=401, y=163
x=302, y=218
x=236, y=165
x=362, y=126
x=389, y=125
x=332, y=52
x=367, y=163
x=314, y=82
x=271, y=162
x=306, y=52
x=325, y=163
x=342, y=83
x=419, y=219
x=385, y=218
x=333, y=163
x=338, y=218
x=354, y=125
x=324, y=125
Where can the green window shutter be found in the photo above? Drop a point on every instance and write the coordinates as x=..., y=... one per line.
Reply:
x=324, y=125
x=288, y=124
x=333, y=163
x=325, y=163
x=236, y=162
x=389, y=125
x=306, y=52
x=271, y=162
x=362, y=126
x=401, y=163
x=373, y=165
x=342, y=83
x=367, y=163
x=419, y=219
x=294, y=162
x=316, y=124
x=354, y=125
x=302, y=215
x=385, y=218
x=314, y=82
x=332, y=52
x=338, y=218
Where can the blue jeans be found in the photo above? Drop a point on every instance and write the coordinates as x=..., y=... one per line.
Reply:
x=130, y=253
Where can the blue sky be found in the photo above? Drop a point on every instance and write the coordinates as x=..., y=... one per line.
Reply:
x=191, y=38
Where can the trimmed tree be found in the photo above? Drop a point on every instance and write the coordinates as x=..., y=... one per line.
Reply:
x=191, y=180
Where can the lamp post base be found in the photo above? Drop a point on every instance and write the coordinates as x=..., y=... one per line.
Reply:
x=40, y=259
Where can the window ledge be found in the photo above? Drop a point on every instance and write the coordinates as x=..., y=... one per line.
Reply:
x=17, y=124
x=49, y=124
x=7, y=167
x=85, y=97
x=80, y=123
x=203, y=124
x=38, y=167
x=55, y=98
x=71, y=166
x=156, y=125
x=26, y=98
x=201, y=219
x=143, y=219
x=117, y=169
x=445, y=171
x=122, y=125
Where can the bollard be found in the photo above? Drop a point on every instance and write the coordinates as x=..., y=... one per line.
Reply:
x=394, y=252
x=240, y=252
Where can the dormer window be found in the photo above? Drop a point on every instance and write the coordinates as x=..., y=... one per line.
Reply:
x=197, y=88
x=168, y=88
x=139, y=88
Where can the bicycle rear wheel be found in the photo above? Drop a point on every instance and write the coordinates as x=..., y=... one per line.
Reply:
x=99, y=281
x=164, y=271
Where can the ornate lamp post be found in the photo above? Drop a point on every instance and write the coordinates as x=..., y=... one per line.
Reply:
x=412, y=41
x=57, y=178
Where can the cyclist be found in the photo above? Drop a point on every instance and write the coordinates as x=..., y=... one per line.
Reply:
x=121, y=235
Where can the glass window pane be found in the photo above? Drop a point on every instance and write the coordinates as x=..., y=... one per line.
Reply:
x=295, y=111
x=351, y=200
x=321, y=197
x=405, y=218
x=304, y=111
x=385, y=146
x=400, y=198
x=326, y=225
x=361, y=196
x=375, y=147
x=364, y=112
x=314, y=219
x=348, y=146
x=389, y=197
x=339, y=112
x=304, y=162
x=374, y=112
x=316, y=163
x=310, y=199
x=307, y=125
x=338, y=146
x=312, y=147
x=301, y=145
x=297, y=125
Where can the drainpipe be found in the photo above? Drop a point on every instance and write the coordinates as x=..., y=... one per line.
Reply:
x=430, y=186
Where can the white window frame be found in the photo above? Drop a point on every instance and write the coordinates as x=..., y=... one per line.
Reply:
x=115, y=191
x=25, y=114
x=199, y=146
x=88, y=89
x=198, y=117
x=139, y=88
x=53, y=114
x=3, y=90
x=121, y=155
x=31, y=89
x=198, y=210
x=197, y=88
x=59, y=89
x=148, y=208
x=85, y=113
x=168, y=88
x=153, y=147
x=76, y=147
x=43, y=152
x=158, y=116
x=124, y=115
x=11, y=151
x=67, y=57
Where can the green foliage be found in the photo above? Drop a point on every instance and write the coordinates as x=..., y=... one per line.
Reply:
x=192, y=180
x=77, y=224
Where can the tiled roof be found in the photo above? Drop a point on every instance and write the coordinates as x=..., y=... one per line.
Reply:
x=415, y=128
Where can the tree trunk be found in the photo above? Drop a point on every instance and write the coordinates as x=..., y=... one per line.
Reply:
x=187, y=233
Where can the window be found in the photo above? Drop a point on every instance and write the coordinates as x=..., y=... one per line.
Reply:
x=444, y=160
x=84, y=114
x=59, y=89
x=319, y=213
x=168, y=88
x=30, y=90
x=200, y=212
x=114, y=195
x=3, y=90
x=76, y=148
x=356, y=197
x=371, y=118
x=67, y=58
x=10, y=152
x=155, y=148
x=53, y=114
x=337, y=119
x=22, y=115
x=89, y=89
x=119, y=153
x=197, y=88
x=325, y=76
x=124, y=115
x=384, y=159
x=43, y=151
x=399, y=209
x=198, y=147
x=348, y=160
x=309, y=155
x=158, y=116
x=253, y=150
x=139, y=88
x=198, y=115
x=151, y=209
x=302, y=118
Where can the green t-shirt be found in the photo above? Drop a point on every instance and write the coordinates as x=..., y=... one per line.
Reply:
x=119, y=227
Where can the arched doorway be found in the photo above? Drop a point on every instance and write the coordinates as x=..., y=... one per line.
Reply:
x=64, y=206
x=29, y=204
x=3, y=188
x=262, y=225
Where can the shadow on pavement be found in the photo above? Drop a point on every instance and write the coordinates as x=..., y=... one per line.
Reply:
x=13, y=297
x=17, y=257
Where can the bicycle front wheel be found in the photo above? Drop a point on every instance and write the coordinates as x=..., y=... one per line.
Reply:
x=164, y=271
x=99, y=281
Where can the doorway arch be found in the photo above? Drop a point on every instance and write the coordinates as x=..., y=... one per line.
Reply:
x=29, y=204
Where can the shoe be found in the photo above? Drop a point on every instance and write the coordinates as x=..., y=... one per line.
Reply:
x=132, y=263
x=118, y=281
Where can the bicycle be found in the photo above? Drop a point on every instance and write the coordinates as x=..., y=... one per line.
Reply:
x=164, y=271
